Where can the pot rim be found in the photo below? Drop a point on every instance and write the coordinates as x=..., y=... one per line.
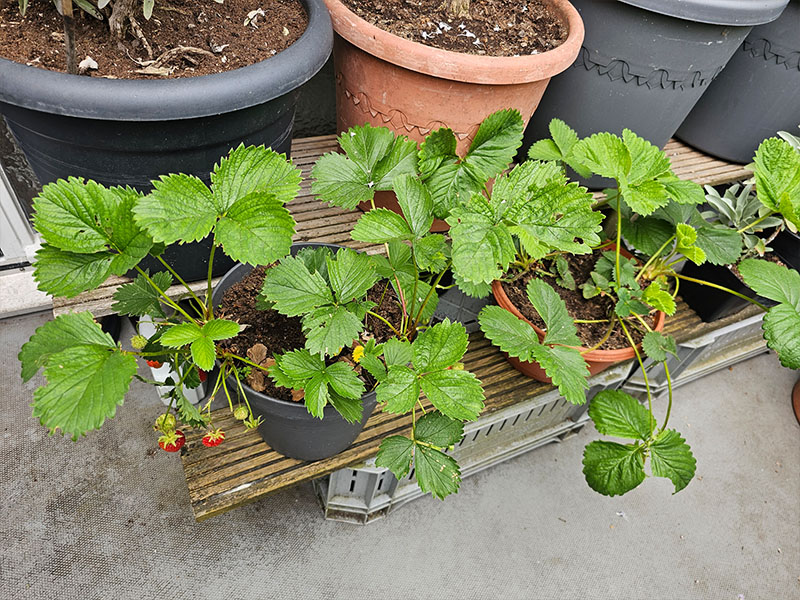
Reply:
x=366, y=397
x=171, y=99
x=617, y=355
x=716, y=12
x=469, y=68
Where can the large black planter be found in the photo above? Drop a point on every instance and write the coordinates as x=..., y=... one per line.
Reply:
x=642, y=70
x=288, y=427
x=756, y=95
x=787, y=246
x=128, y=132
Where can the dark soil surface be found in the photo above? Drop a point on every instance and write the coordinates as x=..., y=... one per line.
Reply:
x=268, y=332
x=217, y=30
x=494, y=27
x=599, y=307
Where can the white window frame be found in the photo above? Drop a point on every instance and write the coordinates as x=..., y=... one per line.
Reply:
x=18, y=241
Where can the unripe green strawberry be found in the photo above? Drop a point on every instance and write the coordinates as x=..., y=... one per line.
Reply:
x=138, y=342
x=165, y=423
x=241, y=413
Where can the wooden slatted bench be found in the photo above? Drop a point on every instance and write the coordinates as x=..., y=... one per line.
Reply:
x=244, y=468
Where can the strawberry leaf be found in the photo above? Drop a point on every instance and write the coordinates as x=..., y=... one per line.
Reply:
x=777, y=172
x=438, y=430
x=439, y=347
x=415, y=202
x=67, y=274
x=294, y=290
x=553, y=311
x=613, y=469
x=139, y=298
x=619, y=414
x=381, y=225
x=671, y=457
x=399, y=391
x=63, y=332
x=180, y=208
x=457, y=394
x=203, y=353
x=436, y=472
x=396, y=453
x=351, y=274
x=84, y=386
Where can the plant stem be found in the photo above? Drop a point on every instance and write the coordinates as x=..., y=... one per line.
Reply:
x=244, y=360
x=669, y=389
x=644, y=373
x=169, y=300
x=209, y=306
x=756, y=222
x=430, y=293
x=380, y=318
x=180, y=279
x=619, y=236
x=724, y=289
x=602, y=341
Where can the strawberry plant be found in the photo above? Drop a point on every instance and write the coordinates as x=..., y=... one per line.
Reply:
x=656, y=213
x=90, y=232
x=329, y=292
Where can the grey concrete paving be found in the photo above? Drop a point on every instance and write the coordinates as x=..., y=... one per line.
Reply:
x=109, y=517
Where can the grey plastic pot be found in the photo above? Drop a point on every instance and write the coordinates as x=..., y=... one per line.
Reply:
x=756, y=95
x=128, y=132
x=642, y=70
x=288, y=427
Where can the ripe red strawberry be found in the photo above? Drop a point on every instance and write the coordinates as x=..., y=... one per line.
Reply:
x=154, y=363
x=202, y=375
x=213, y=438
x=172, y=441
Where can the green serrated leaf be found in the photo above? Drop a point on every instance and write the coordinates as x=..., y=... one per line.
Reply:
x=659, y=299
x=431, y=252
x=220, y=329
x=139, y=298
x=400, y=391
x=772, y=281
x=457, y=394
x=351, y=409
x=352, y=274
x=63, y=332
x=619, y=414
x=777, y=173
x=251, y=169
x=317, y=395
x=84, y=386
x=482, y=248
x=545, y=149
x=203, y=353
x=180, y=208
x=644, y=198
x=452, y=184
x=436, y=472
x=300, y=364
x=605, y=154
x=439, y=430
x=671, y=457
x=782, y=332
x=628, y=303
x=416, y=203
x=67, y=274
x=439, y=145
x=683, y=191
x=512, y=335
x=340, y=181
x=188, y=413
x=181, y=334
x=647, y=161
x=344, y=381
x=473, y=290
x=294, y=290
x=496, y=142
x=439, y=347
x=397, y=352
x=553, y=311
x=396, y=453
x=613, y=469
x=687, y=237
x=566, y=368
x=647, y=234
x=257, y=229
x=381, y=225
x=330, y=328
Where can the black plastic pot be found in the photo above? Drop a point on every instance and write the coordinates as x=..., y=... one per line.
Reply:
x=642, y=70
x=787, y=246
x=712, y=304
x=756, y=95
x=128, y=132
x=288, y=427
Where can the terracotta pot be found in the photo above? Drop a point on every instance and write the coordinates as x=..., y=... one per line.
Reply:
x=796, y=400
x=412, y=89
x=596, y=360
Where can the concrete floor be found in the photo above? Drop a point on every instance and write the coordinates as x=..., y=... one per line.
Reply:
x=109, y=516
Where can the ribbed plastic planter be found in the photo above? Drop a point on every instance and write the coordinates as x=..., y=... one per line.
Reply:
x=756, y=95
x=288, y=427
x=128, y=132
x=644, y=64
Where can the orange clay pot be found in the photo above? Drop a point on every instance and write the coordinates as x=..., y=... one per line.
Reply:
x=796, y=400
x=596, y=360
x=413, y=89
